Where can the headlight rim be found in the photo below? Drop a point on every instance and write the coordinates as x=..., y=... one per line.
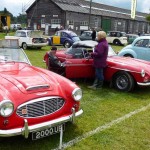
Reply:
x=4, y=102
x=73, y=93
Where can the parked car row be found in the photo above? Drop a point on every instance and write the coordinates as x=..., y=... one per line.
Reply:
x=66, y=38
x=113, y=37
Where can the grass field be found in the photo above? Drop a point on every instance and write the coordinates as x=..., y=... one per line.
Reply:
x=100, y=107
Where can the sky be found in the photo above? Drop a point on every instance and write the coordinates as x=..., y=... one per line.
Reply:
x=15, y=6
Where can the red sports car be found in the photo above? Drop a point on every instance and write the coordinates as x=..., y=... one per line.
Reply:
x=33, y=99
x=122, y=72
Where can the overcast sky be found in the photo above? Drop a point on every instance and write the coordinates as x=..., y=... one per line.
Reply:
x=15, y=6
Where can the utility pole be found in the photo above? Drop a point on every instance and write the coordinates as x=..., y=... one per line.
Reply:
x=90, y=13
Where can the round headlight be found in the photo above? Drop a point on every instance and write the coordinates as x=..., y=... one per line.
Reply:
x=77, y=94
x=6, y=108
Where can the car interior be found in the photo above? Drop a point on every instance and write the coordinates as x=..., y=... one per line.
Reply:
x=80, y=52
x=143, y=43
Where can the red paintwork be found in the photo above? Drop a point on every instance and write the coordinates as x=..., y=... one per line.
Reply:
x=83, y=68
x=16, y=77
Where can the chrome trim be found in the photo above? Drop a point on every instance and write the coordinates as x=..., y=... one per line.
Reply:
x=26, y=129
x=73, y=115
x=74, y=91
x=3, y=102
x=41, y=126
x=143, y=84
x=30, y=88
x=38, y=100
x=121, y=69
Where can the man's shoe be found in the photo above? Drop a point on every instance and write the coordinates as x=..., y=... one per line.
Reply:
x=92, y=87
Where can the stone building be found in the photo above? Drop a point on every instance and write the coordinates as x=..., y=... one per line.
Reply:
x=75, y=15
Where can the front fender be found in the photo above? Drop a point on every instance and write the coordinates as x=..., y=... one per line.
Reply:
x=127, y=51
x=69, y=40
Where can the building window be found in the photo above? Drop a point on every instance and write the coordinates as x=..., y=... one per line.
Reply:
x=131, y=27
x=84, y=23
x=143, y=28
x=115, y=25
x=137, y=27
x=43, y=21
x=55, y=21
x=71, y=22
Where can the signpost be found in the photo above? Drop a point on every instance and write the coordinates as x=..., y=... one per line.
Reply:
x=90, y=13
x=133, y=8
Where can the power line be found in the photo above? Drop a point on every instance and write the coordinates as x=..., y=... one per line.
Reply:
x=28, y=4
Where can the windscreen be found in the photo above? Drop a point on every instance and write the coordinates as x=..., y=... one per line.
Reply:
x=13, y=55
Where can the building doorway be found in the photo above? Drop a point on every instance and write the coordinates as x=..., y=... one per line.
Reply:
x=106, y=25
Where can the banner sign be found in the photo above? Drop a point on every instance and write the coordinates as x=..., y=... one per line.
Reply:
x=133, y=8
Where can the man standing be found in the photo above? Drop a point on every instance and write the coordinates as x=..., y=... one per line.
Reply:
x=93, y=34
x=100, y=60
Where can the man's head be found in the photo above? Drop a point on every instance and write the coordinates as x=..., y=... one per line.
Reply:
x=53, y=50
x=101, y=35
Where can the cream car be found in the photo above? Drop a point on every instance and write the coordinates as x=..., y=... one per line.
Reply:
x=117, y=38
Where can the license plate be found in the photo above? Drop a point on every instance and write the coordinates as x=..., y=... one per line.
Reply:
x=47, y=132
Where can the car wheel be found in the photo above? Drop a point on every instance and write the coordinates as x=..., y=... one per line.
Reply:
x=123, y=81
x=67, y=44
x=24, y=46
x=128, y=55
x=39, y=47
x=117, y=42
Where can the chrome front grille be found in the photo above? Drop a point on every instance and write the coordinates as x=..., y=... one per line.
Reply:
x=40, y=107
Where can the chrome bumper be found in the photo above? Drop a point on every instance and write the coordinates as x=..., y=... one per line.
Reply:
x=37, y=44
x=27, y=129
x=143, y=84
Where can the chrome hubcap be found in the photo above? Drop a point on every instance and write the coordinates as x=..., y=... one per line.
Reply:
x=122, y=82
x=67, y=45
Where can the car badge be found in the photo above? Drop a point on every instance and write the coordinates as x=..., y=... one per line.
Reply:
x=24, y=111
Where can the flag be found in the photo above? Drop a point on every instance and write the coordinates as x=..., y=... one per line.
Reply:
x=133, y=8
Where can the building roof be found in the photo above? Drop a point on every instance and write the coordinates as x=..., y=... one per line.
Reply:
x=4, y=13
x=83, y=6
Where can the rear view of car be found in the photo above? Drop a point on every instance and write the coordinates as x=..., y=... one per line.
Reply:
x=29, y=38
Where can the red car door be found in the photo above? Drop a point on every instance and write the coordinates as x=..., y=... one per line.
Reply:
x=79, y=66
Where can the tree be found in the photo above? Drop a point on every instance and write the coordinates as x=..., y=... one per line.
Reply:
x=21, y=19
x=5, y=10
x=148, y=18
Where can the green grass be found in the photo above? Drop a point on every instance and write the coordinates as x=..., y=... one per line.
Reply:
x=2, y=35
x=100, y=107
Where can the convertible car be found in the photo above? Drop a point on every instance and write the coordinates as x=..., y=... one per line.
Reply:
x=122, y=72
x=33, y=100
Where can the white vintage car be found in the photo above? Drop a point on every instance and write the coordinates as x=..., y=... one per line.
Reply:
x=29, y=38
x=117, y=38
